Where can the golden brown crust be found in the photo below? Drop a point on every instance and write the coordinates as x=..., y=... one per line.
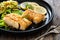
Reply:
x=24, y=23
x=33, y=16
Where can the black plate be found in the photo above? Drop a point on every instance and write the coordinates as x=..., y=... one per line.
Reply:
x=34, y=27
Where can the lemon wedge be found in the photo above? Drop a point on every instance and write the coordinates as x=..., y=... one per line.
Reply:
x=40, y=9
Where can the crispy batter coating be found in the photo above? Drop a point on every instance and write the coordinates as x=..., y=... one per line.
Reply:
x=15, y=20
x=33, y=16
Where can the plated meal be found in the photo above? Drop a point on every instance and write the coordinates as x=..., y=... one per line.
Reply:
x=20, y=16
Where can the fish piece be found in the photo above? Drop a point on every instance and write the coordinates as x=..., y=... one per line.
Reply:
x=23, y=22
x=38, y=18
x=33, y=16
x=27, y=21
x=23, y=25
x=29, y=14
x=15, y=17
x=11, y=22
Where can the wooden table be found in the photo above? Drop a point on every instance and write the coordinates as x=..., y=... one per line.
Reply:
x=56, y=7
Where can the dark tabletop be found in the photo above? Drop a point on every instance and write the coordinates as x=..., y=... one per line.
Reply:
x=56, y=7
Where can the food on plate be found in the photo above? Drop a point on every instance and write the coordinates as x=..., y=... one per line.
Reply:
x=33, y=16
x=16, y=21
x=10, y=4
x=2, y=9
x=25, y=24
x=20, y=16
x=34, y=6
x=25, y=6
x=40, y=9
x=11, y=22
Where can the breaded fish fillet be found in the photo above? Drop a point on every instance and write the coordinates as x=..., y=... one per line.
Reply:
x=33, y=16
x=38, y=18
x=24, y=23
x=29, y=14
x=11, y=22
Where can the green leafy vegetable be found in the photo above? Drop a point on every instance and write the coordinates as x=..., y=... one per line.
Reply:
x=2, y=16
x=28, y=6
x=8, y=11
x=17, y=12
x=2, y=23
x=6, y=7
x=7, y=28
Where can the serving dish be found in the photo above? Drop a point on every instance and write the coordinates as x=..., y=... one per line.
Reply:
x=39, y=26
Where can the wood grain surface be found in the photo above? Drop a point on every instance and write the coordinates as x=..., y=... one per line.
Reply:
x=56, y=7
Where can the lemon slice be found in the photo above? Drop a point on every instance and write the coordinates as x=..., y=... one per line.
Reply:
x=23, y=5
x=37, y=7
x=40, y=9
x=34, y=4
